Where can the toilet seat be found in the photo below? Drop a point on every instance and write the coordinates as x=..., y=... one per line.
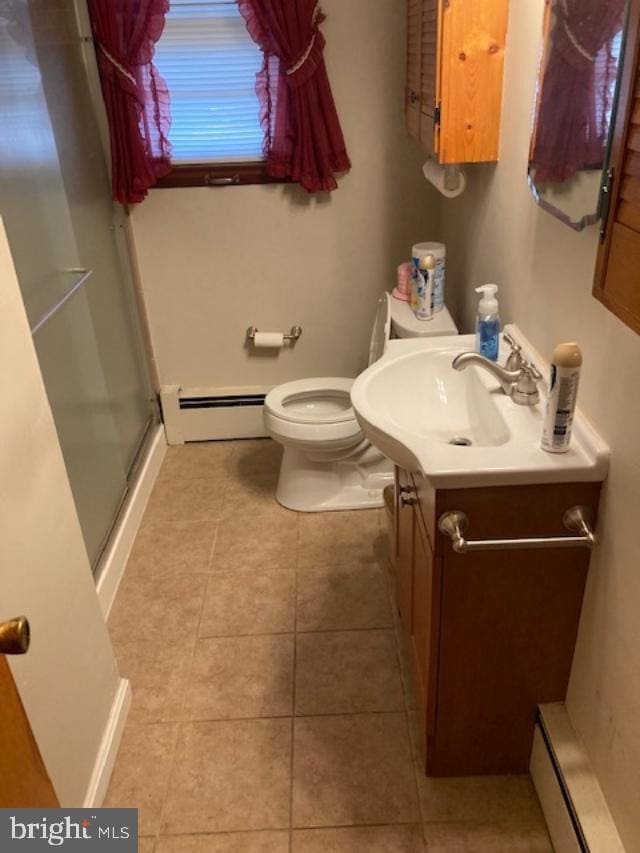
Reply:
x=307, y=412
x=312, y=401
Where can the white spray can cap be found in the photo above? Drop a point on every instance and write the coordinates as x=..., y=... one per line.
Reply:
x=488, y=304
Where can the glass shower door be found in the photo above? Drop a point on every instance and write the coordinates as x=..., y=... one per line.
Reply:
x=64, y=232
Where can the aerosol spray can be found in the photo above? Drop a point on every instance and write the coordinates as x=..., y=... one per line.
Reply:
x=566, y=362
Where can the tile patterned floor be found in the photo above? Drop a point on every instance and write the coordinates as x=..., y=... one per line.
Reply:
x=271, y=708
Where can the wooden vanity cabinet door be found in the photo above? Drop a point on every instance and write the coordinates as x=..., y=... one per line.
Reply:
x=404, y=550
x=426, y=623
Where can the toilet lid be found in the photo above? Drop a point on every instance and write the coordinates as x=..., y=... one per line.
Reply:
x=381, y=329
x=312, y=401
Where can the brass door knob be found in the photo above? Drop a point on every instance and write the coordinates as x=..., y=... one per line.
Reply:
x=15, y=636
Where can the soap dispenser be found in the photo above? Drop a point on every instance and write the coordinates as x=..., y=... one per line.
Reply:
x=488, y=322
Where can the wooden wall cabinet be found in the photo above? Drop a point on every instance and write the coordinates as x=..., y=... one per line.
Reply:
x=455, y=61
x=491, y=633
x=617, y=275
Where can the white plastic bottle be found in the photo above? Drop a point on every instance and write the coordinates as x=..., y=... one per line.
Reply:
x=488, y=322
x=566, y=362
x=423, y=281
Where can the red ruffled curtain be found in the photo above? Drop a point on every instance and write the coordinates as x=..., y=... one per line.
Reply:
x=575, y=101
x=135, y=95
x=303, y=138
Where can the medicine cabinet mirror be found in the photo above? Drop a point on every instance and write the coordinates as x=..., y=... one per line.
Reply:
x=575, y=102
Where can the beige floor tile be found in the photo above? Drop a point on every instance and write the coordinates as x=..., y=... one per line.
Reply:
x=254, y=458
x=155, y=671
x=265, y=542
x=347, y=671
x=233, y=677
x=338, y=538
x=232, y=775
x=255, y=496
x=164, y=609
x=201, y=459
x=353, y=769
x=359, y=839
x=185, y=500
x=479, y=838
x=483, y=799
x=334, y=597
x=248, y=602
x=226, y=842
x=146, y=844
x=141, y=774
x=176, y=547
x=407, y=672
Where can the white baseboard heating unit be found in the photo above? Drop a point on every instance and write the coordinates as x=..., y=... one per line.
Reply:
x=206, y=414
x=576, y=812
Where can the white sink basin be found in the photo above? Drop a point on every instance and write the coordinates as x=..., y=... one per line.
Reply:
x=458, y=427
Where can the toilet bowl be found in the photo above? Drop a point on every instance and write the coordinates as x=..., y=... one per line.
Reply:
x=327, y=462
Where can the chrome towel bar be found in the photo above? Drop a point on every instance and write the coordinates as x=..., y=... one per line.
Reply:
x=578, y=519
x=84, y=276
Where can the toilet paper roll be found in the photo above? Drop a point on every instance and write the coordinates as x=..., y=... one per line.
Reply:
x=272, y=340
x=435, y=173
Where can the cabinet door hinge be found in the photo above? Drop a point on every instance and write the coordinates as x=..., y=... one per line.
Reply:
x=436, y=115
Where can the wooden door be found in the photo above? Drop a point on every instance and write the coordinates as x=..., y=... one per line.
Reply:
x=404, y=547
x=24, y=781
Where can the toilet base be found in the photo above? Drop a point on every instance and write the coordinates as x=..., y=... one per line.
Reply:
x=308, y=486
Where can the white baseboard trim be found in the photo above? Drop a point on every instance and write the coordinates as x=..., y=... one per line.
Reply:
x=108, y=751
x=574, y=807
x=115, y=558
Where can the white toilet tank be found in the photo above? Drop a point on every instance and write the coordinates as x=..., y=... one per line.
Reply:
x=405, y=324
x=396, y=319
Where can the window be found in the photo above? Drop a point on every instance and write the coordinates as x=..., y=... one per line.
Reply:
x=209, y=63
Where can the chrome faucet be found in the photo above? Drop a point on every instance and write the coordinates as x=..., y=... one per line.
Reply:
x=519, y=380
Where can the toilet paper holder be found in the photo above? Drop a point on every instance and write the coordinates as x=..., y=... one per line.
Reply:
x=293, y=335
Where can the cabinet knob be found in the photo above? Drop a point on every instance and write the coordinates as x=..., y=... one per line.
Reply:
x=15, y=635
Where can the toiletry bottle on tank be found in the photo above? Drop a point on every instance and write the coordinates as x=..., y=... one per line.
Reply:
x=424, y=288
x=488, y=322
x=566, y=362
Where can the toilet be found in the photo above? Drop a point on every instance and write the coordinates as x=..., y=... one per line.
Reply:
x=327, y=462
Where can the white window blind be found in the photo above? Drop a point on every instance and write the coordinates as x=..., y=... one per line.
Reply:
x=209, y=63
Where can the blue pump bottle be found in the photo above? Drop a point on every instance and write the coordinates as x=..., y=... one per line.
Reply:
x=488, y=322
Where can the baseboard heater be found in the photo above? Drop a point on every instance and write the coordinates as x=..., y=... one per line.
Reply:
x=576, y=812
x=206, y=414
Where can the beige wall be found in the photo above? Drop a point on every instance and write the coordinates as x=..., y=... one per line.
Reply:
x=496, y=233
x=68, y=680
x=215, y=261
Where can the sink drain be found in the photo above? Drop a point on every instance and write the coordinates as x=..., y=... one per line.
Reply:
x=461, y=441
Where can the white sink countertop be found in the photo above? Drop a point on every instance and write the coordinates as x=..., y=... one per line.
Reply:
x=412, y=405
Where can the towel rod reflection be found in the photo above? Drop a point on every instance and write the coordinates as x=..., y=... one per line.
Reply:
x=85, y=275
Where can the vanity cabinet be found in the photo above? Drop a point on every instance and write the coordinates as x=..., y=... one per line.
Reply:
x=455, y=60
x=491, y=633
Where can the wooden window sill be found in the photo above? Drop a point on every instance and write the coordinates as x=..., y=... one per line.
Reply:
x=218, y=174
